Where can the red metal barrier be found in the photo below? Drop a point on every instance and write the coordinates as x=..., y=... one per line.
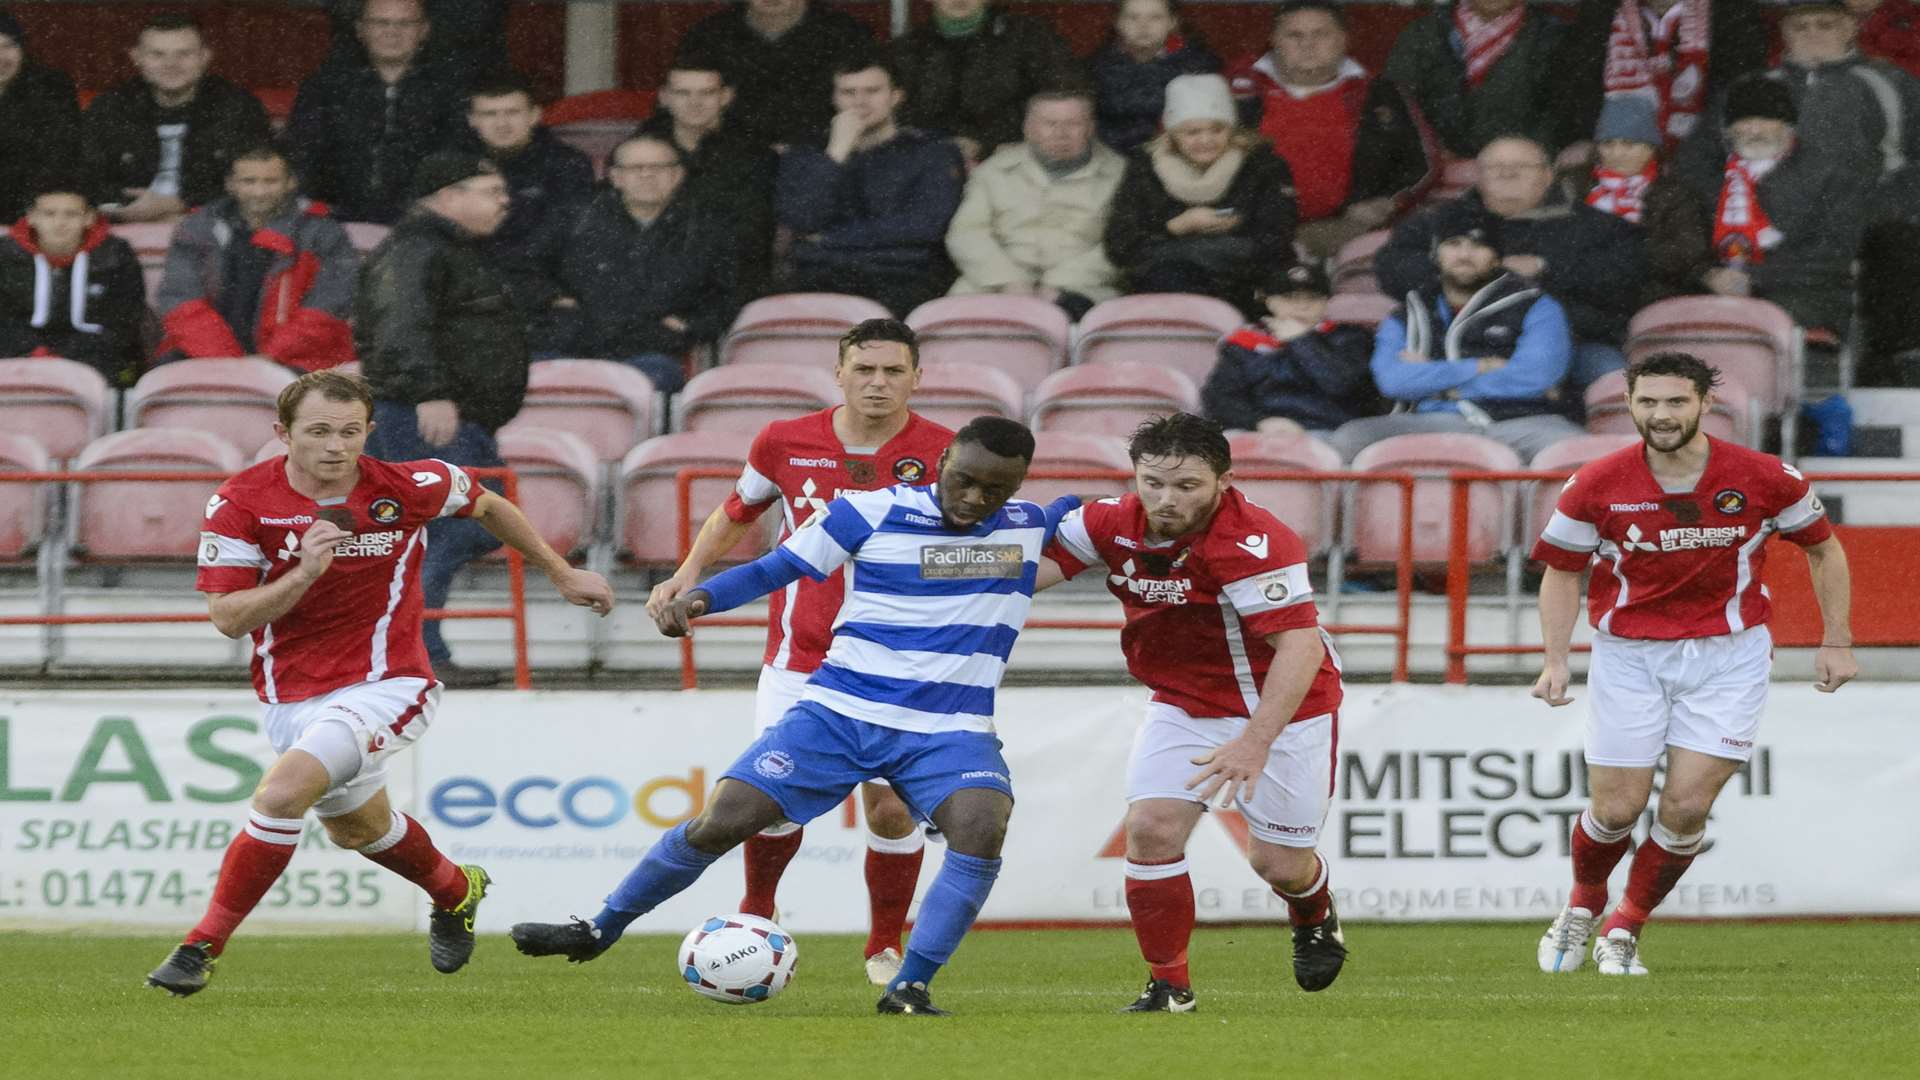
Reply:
x=1399, y=629
x=516, y=609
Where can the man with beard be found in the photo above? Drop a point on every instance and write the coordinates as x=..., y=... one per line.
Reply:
x=1681, y=653
x=1484, y=353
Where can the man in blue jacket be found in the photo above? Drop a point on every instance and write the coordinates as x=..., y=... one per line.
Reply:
x=869, y=210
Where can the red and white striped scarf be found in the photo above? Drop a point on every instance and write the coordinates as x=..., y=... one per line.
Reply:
x=1622, y=194
x=1485, y=40
x=1667, y=61
x=1742, y=233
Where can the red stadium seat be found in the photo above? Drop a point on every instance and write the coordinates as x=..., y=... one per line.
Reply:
x=278, y=101
x=796, y=328
x=1368, y=309
x=952, y=393
x=63, y=404
x=23, y=506
x=1304, y=506
x=1353, y=264
x=1457, y=177
x=747, y=397
x=1568, y=454
x=234, y=399
x=1110, y=399
x=557, y=477
x=649, y=503
x=1375, y=522
x=1730, y=417
x=1073, y=451
x=594, y=138
x=1168, y=330
x=1024, y=336
x=605, y=403
x=149, y=239
x=140, y=520
x=1752, y=342
x=365, y=235
x=631, y=106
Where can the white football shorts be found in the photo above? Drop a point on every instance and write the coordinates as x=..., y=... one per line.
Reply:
x=1701, y=694
x=385, y=717
x=1291, y=797
x=779, y=690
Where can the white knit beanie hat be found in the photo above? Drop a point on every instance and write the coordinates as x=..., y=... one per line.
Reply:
x=1197, y=97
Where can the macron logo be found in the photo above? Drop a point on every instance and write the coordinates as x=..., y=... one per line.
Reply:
x=1255, y=546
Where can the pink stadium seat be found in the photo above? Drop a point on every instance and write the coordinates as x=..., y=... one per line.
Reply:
x=1024, y=336
x=149, y=239
x=1730, y=417
x=1304, y=506
x=1110, y=399
x=63, y=404
x=1568, y=455
x=1457, y=177
x=1353, y=264
x=1073, y=451
x=952, y=393
x=1752, y=342
x=365, y=235
x=557, y=475
x=23, y=506
x=1375, y=524
x=649, y=504
x=145, y=520
x=1168, y=330
x=605, y=403
x=234, y=399
x=747, y=397
x=796, y=328
x=1368, y=309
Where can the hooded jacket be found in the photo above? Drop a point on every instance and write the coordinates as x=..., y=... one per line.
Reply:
x=1508, y=318
x=305, y=298
x=39, y=129
x=1319, y=380
x=86, y=307
x=120, y=148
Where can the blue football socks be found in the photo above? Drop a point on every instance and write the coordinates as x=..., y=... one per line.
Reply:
x=669, y=866
x=946, y=915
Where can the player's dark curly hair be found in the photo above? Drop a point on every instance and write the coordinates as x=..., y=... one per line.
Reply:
x=1703, y=375
x=1008, y=438
x=881, y=330
x=1182, y=435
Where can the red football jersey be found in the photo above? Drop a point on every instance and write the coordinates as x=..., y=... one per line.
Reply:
x=361, y=621
x=1678, y=564
x=802, y=464
x=1200, y=608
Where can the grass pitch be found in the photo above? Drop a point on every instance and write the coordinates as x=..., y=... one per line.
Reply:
x=1434, y=1000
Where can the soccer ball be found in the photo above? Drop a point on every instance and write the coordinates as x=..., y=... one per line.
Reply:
x=738, y=959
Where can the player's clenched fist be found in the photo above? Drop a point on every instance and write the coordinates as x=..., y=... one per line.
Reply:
x=664, y=594
x=676, y=618
x=1551, y=686
x=584, y=588
x=316, y=548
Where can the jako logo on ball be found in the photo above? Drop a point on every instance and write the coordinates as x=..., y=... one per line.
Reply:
x=737, y=959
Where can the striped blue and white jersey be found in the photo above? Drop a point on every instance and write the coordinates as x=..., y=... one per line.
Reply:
x=929, y=615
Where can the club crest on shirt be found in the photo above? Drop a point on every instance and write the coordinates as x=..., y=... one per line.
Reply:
x=861, y=472
x=1686, y=511
x=946, y=562
x=384, y=511
x=909, y=470
x=1729, y=501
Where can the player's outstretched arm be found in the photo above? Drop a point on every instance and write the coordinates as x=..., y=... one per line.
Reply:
x=237, y=614
x=1559, y=607
x=729, y=590
x=1833, y=665
x=1231, y=769
x=718, y=535
x=582, y=588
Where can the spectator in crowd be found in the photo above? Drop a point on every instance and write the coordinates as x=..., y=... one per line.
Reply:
x=968, y=71
x=1292, y=371
x=1890, y=31
x=159, y=144
x=444, y=348
x=780, y=57
x=1678, y=55
x=1778, y=223
x=260, y=271
x=39, y=120
x=544, y=175
x=869, y=210
x=358, y=132
x=1588, y=260
x=70, y=288
x=1150, y=45
x=1483, y=351
x=1034, y=214
x=1206, y=206
x=1627, y=143
x=1481, y=68
x=1890, y=285
x=1356, y=152
x=643, y=274
x=467, y=33
x=729, y=176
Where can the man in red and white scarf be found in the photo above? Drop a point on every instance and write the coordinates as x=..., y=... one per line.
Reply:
x=1760, y=130
x=1628, y=145
x=1660, y=48
x=1487, y=29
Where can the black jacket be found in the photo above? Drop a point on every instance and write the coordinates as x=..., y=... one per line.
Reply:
x=120, y=149
x=434, y=320
x=39, y=129
x=1319, y=380
x=472, y=33
x=977, y=86
x=884, y=207
x=91, y=313
x=1517, y=96
x=543, y=179
x=729, y=176
x=346, y=153
x=1132, y=95
x=1736, y=44
x=1261, y=192
x=783, y=89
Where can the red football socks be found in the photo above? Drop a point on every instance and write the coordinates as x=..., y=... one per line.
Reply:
x=407, y=850
x=1310, y=908
x=1160, y=899
x=893, y=871
x=767, y=859
x=253, y=862
x=1657, y=867
x=1596, y=851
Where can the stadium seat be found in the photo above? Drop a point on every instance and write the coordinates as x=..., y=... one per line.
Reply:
x=1374, y=524
x=952, y=393
x=136, y=519
x=1457, y=177
x=278, y=101
x=149, y=239
x=23, y=506
x=63, y=404
x=1368, y=309
x=557, y=478
x=1168, y=330
x=1353, y=264
x=649, y=502
x=605, y=403
x=1752, y=342
x=234, y=399
x=1567, y=455
x=796, y=328
x=631, y=106
x=1731, y=416
x=1024, y=336
x=1072, y=451
x=747, y=397
x=365, y=235
x=1304, y=506
x=1110, y=399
